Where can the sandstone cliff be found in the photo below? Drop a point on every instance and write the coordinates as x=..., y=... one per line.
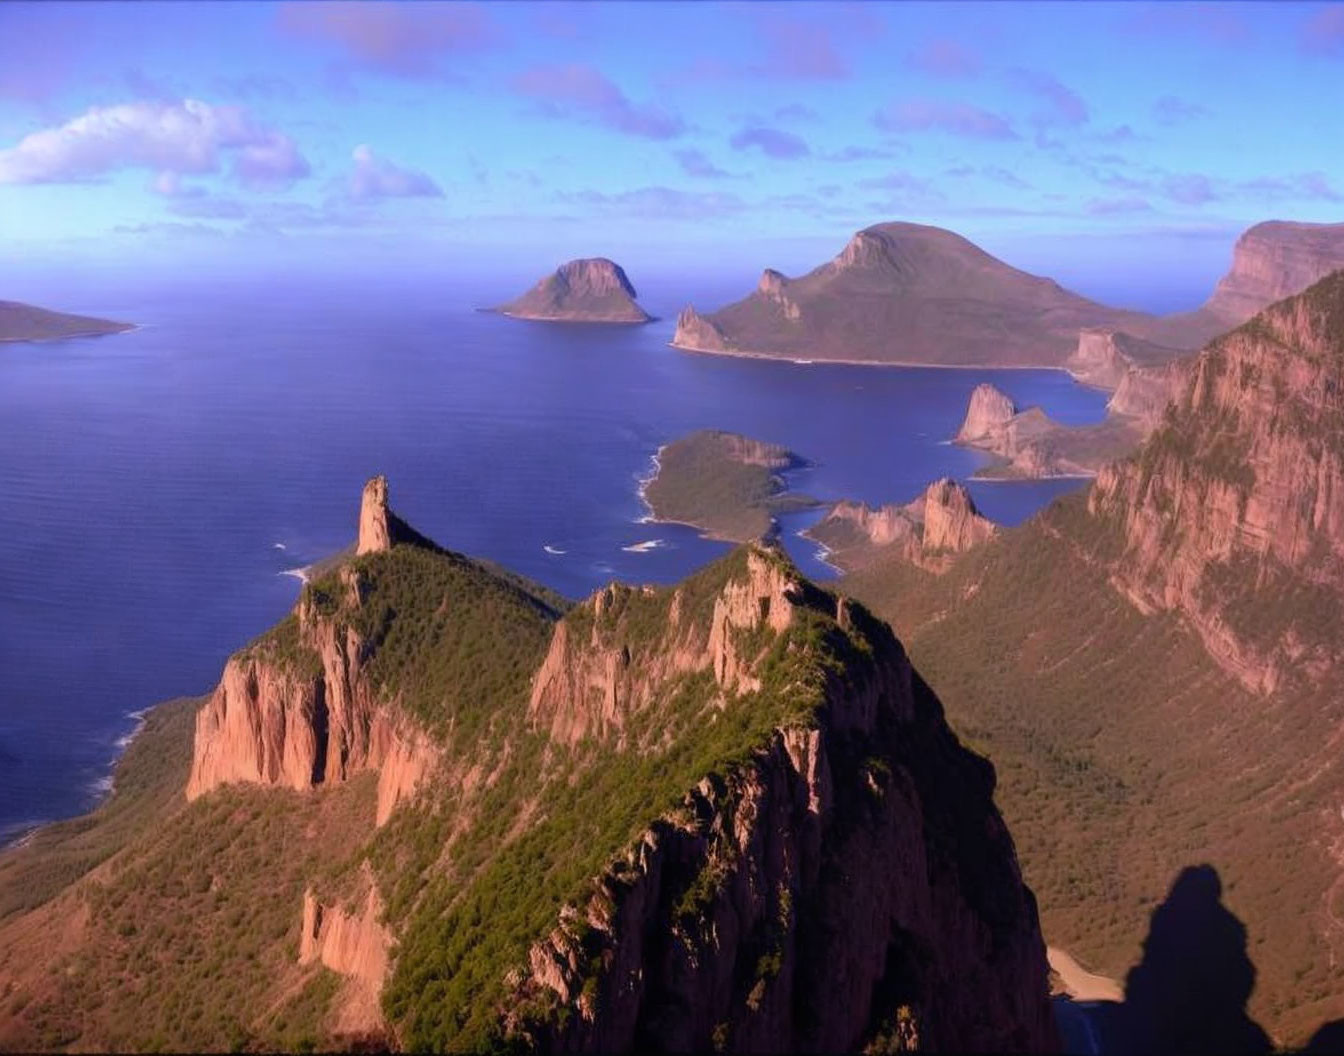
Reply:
x=594, y=290
x=928, y=532
x=1233, y=512
x=905, y=293
x=24, y=322
x=820, y=896
x=296, y=709
x=1274, y=260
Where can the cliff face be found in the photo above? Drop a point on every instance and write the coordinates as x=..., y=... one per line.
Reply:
x=928, y=532
x=1274, y=260
x=1104, y=358
x=591, y=290
x=1233, y=512
x=830, y=891
x=904, y=293
x=988, y=412
x=297, y=709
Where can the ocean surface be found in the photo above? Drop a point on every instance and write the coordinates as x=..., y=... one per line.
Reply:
x=158, y=488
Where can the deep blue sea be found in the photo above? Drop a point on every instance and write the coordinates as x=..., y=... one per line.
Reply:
x=156, y=486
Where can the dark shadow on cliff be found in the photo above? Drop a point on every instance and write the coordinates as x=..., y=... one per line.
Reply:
x=1188, y=992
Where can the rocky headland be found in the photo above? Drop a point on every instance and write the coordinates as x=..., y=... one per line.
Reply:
x=928, y=533
x=592, y=290
x=727, y=485
x=25, y=322
x=437, y=808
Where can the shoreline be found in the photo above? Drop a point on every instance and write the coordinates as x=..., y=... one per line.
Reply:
x=126, y=328
x=908, y=364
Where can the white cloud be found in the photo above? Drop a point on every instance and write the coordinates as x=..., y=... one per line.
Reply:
x=166, y=137
x=375, y=177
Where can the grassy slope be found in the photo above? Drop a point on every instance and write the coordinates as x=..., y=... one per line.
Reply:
x=700, y=483
x=1124, y=755
x=24, y=322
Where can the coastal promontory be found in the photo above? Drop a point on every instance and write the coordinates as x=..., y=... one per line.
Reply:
x=592, y=290
x=26, y=322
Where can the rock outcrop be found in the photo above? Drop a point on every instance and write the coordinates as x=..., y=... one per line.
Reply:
x=1274, y=260
x=352, y=943
x=905, y=293
x=594, y=290
x=25, y=322
x=986, y=415
x=1233, y=512
x=296, y=709
x=928, y=532
x=1104, y=358
x=822, y=896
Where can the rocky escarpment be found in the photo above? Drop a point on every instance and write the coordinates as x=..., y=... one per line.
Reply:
x=1104, y=358
x=928, y=532
x=25, y=322
x=352, y=942
x=904, y=293
x=821, y=895
x=988, y=412
x=296, y=709
x=594, y=290
x=1233, y=512
x=1274, y=260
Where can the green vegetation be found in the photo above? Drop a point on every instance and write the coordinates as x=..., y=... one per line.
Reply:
x=724, y=484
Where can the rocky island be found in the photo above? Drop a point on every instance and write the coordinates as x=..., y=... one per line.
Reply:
x=727, y=485
x=437, y=808
x=25, y=322
x=928, y=532
x=594, y=290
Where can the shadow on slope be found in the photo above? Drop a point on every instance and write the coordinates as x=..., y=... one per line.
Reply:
x=1188, y=992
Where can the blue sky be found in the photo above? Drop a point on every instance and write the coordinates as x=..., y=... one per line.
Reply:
x=1087, y=141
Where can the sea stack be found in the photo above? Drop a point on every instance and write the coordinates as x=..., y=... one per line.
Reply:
x=592, y=290
x=988, y=412
x=375, y=527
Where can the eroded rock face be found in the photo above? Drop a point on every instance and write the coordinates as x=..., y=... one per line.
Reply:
x=1233, y=512
x=987, y=413
x=352, y=943
x=1274, y=260
x=929, y=532
x=797, y=904
x=1105, y=357
x=375, y=532
x=697, y=333
x=299, y=711
x=589, y=687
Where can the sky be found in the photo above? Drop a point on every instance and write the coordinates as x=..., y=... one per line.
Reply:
x=1112, y=146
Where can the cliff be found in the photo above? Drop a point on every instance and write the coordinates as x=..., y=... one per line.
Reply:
x=724, y=813
x=728, y=485
x=928, y=532
x=904, y=293
x=24, y=322
x=1233, y=512
x=1274, y=260
x=1154, y=666
x=1028, y=443
x=594, y=290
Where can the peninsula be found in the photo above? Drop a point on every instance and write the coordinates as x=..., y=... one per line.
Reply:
x=26, y=322
x=592, y=290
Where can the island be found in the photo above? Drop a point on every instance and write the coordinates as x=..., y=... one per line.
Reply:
x=592, y=290
x=928, y=533
x=26, y=322
x=727, y=485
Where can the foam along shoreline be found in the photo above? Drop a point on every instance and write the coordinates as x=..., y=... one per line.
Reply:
x=822, y=553
x=645, y=546
x=904, y=364
x=302, y=573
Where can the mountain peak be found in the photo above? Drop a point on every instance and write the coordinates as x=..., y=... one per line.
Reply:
x=591, y=289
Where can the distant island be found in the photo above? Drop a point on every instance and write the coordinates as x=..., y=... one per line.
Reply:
x=910, y=294
x=727, y=485
x=26, y=322
x=593, y=290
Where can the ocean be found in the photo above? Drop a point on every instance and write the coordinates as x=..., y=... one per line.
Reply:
x=160, y=488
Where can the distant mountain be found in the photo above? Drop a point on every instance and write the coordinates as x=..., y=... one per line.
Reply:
x=905, y=293
x=594, y=290
x=25, y=322
x=437, y=809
